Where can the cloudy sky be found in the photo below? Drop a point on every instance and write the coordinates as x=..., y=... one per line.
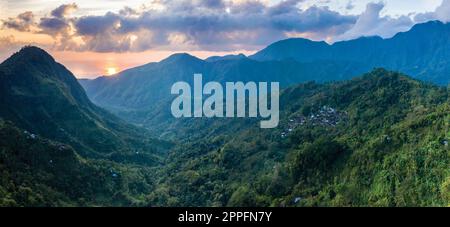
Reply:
x=100, y=37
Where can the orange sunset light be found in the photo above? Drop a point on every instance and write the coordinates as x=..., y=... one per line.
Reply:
x=111, y=71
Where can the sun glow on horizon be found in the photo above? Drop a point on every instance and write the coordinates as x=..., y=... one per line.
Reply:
x=111, y=71
x=92, y=65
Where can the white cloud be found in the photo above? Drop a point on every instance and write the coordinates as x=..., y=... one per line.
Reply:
x=214, y=25
x=371, y=23
x=441, y=13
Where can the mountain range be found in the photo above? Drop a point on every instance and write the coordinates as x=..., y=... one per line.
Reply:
x=141, y=95
x=59, y=149
x=379, y=138
x=43, y=97
x=421, y=52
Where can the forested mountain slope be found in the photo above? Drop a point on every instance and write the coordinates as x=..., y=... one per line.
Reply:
x=43, y=97
x=378, y=140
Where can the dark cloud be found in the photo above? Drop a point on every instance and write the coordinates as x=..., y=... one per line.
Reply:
x=284, y=7
x=207, y=25
x=250, y=7
x=214, y=25
x=214, y=4
x=128, y=11
x=314, y=19
x=64, y=10
x=93, y=25
x=23, y=22
x=53, y=25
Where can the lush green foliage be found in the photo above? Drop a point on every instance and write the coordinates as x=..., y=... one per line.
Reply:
x=378, y=140
x=39, y=172
x=389, y=150
x=42, y=96
x=67, y=152
x=141, y=94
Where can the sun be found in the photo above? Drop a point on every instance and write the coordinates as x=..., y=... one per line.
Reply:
x=111, y=71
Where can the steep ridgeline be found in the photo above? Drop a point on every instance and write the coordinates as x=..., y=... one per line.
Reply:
x=377, y=140
x=423, y=52
x=144, y=86
x=41, y=96
x=142, y=94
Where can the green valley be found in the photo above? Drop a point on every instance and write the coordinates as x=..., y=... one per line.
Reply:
x=380, y=139
x=390, y=149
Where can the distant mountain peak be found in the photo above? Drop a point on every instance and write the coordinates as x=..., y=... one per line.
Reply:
x=374, y=37
x=427, y=26
x=291, y=48
x=300, y=40
x=226, y=57
x=181, y=57
x=430, y=23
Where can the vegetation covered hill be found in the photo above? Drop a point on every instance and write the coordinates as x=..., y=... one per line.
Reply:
x=39, y=172
x=378, y=140
x=43, y=97
x=59, y=149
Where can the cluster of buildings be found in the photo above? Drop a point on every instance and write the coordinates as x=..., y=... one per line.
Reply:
x=325, y=116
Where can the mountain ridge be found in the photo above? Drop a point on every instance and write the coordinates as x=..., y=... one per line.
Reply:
x=298, y=60
x=421, y=52
x=42, y=96
x=380, y=139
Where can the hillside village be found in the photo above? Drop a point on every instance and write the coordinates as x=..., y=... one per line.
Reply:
x=326, y=116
